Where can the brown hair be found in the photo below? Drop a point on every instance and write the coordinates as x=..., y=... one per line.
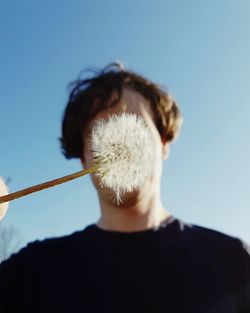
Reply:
x=91, y=95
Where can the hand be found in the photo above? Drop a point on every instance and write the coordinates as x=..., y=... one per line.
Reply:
x=3, y=192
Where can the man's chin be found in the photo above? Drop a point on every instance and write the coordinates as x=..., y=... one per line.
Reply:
x=125, y=200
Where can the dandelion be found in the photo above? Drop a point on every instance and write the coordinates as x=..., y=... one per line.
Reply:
x=123, y=148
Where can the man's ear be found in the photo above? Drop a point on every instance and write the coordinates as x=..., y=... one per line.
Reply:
x=165, y=148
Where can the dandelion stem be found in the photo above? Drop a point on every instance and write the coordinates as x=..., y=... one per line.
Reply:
x=48, y=184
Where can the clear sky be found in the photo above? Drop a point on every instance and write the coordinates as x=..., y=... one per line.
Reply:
x=198, y=49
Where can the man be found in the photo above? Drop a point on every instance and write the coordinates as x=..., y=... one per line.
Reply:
x=137, y=257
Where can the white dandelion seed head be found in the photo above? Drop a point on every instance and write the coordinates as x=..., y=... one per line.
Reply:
x=123, y=147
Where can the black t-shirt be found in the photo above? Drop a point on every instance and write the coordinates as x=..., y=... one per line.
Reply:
x=178, y=267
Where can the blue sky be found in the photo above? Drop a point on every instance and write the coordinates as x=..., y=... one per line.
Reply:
x=198, y=49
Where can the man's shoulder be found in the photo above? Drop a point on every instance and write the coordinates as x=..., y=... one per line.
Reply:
x=209, y=235
x=212, y=234
x=49, y=248
x=215, y=242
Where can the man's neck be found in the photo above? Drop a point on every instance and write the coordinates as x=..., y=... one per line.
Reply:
x=137, y=214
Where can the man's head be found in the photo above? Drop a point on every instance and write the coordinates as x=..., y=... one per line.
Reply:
x=114, y=91
x=103, y=92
